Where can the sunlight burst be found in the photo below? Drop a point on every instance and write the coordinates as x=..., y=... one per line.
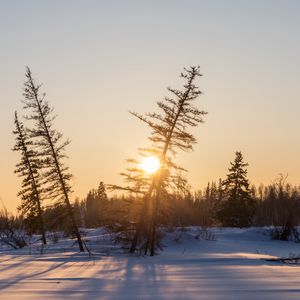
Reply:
x=150, y=164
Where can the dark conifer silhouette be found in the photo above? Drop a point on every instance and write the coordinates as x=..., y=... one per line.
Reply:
x=101, y=191
x=169, y=134
x=50, y=147
x=238, y=206
x=28, y=169
x=95, y=204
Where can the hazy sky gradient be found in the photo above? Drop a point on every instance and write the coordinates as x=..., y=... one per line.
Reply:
x=100, y=59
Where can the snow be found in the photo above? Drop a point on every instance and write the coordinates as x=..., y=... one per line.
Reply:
x=233, y=266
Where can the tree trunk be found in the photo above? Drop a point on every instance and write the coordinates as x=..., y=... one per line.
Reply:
x=41, y=223
x=141, y=223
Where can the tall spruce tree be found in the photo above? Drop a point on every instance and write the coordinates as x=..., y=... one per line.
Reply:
x=169, y=134
x=28, y=169
x=238, y=206
x=50, y=147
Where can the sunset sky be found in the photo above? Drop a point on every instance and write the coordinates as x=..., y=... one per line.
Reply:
x=98, y=60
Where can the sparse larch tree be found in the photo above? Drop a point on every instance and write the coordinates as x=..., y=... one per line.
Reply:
x=169, y=134
x=28, y=169
x=51, y=148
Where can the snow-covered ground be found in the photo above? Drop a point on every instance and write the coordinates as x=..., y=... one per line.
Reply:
x=233, y=266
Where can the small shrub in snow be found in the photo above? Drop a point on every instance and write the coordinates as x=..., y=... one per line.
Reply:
x=11, y=231
x=54, y=237
x=40, y=249
x=205, y=234
x=178, y=235
x=285, y=233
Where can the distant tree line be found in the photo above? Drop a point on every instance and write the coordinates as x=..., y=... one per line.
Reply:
x=231, y=202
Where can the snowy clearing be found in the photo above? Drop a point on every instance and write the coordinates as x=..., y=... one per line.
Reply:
x=231, y=267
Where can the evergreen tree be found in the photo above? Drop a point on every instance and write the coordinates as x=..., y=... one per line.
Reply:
x=51, y=148
x=238, y=207
x=101, y=192
x=31, y=206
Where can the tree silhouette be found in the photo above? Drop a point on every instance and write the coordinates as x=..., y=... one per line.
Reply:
x=101, y=191
x=50, y=147
x=95, y=204
x=238, y=207
x=28, y=169
x=169, y=134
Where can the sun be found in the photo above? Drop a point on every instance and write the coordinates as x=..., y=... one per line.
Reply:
x=150, y=164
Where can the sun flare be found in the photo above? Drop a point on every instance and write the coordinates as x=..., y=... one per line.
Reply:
x=150, y=164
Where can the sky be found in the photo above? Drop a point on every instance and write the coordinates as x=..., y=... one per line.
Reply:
x=98, y=60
